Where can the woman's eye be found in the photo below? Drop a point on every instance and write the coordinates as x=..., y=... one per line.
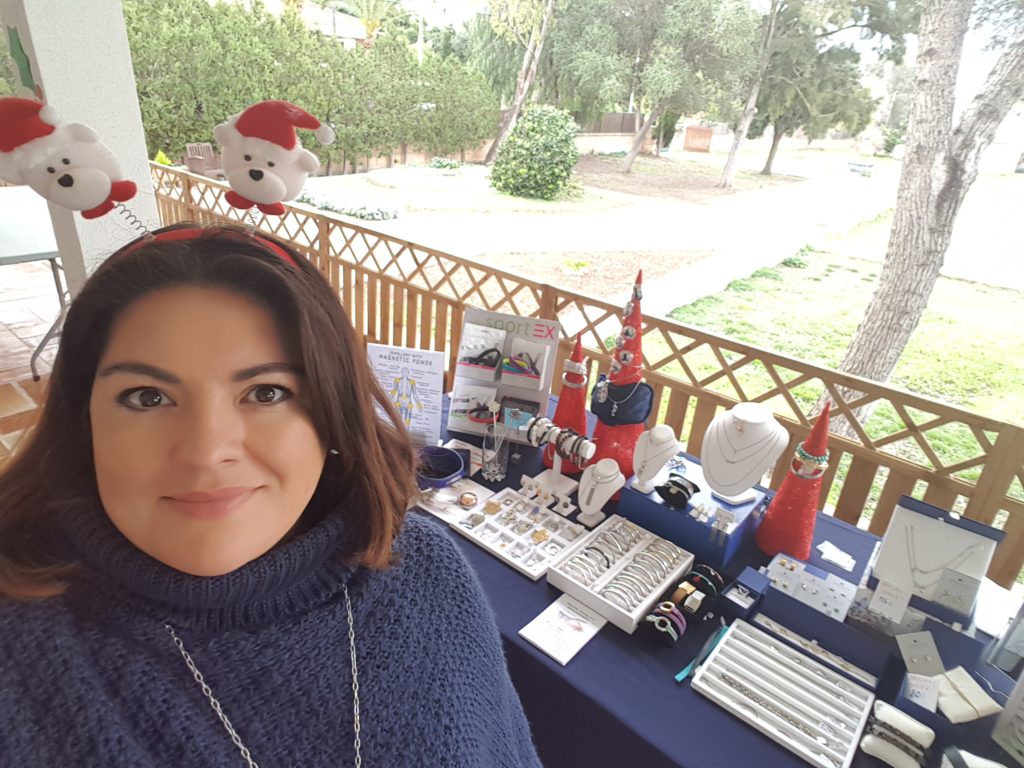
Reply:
x=144, y=398
x=268, y=394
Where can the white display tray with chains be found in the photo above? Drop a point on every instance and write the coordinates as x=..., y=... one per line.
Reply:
x=797, y=702
x=620, y=570
x=936, y=555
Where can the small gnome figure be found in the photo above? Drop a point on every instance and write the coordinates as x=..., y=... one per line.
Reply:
x=263, y=160
x=622, y=401
x=64, y=162
x=571, y=411
x=788, y=525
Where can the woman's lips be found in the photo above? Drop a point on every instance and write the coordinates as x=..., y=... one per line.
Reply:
x=210, y=505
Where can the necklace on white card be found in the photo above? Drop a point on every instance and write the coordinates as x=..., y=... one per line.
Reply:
x=918, y=574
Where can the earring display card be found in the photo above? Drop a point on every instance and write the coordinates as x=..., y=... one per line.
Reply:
x=925, y=547
x=824, y=592
x=519, y=532
x=802, y=705
x=920, y=654
x=620, y=570
x=480, y=352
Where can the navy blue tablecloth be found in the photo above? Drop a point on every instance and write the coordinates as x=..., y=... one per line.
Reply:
x=616, y=703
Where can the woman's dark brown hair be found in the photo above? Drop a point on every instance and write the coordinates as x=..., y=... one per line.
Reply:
x=52, y=472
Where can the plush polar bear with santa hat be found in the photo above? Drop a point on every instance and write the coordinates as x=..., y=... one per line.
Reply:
x=263, y=159
x=64, y=162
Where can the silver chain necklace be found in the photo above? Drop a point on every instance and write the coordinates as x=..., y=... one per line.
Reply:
x=955, y=562
x=215, y=705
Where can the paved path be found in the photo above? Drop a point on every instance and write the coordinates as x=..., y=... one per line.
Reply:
x=734, y=235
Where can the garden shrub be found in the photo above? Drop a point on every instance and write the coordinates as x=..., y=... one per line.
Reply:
x=537, y=157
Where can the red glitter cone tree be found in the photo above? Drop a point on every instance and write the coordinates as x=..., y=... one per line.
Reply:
x=622, y=402
x=571, y=411
x=788, y=525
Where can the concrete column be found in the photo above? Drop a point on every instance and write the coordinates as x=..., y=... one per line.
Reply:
x=76, y=59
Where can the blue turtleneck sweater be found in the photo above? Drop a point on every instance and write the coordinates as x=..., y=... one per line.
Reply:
x=92, y=678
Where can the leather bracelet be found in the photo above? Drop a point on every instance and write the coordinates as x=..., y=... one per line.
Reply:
x=481, y=414
x=682, y=592
x=705, y=579
x=711, y=573
x=563, y=437
x=678, y=491
x=663, y=624
x=577, y=444
x=670, y=610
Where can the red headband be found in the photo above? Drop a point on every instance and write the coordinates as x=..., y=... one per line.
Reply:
x=194, y=233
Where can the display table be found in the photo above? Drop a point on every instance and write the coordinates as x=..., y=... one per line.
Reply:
x=617, y=703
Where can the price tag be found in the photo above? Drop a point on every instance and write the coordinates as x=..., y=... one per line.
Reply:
x=923, y=691
x=890, y=601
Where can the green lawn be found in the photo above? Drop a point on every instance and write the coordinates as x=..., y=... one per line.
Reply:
x=967, y=351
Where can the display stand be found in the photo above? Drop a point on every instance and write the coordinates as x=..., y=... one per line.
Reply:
x=653, y=450
x=551, y=483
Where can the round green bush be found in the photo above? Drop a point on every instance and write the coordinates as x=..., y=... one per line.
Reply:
x=537, y=157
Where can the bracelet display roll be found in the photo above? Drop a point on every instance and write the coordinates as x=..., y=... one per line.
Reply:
x=678, y=491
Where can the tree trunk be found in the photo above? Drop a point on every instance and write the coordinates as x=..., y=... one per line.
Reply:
x=639, y=139
x=776, y=140
x=755, y=88
x=939, y=167
x=527, y=72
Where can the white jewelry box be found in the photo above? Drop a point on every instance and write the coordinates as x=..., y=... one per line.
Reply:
x=800, y=704
x=567, y=579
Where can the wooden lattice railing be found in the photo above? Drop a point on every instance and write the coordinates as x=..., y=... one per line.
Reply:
x=401, y=293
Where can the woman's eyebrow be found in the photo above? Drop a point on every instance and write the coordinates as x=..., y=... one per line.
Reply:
x=160, y=374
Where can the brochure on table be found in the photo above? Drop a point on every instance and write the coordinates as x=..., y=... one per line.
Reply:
x=935, y=559
x=505, y=359
x=413, y=379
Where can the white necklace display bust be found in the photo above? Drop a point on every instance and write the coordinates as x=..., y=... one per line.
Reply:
x=740, y=445
x=597, y=486
x=654, y=447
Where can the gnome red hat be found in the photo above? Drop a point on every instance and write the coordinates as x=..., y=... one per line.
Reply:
x=571, y=411
x=788, y=525
x=814, y=450
x=28, y=130
x=628, y=359
x=276, y=121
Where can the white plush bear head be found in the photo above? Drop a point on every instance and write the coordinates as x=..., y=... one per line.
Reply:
x=78, y=175
x=262, y=171
x=263, y=159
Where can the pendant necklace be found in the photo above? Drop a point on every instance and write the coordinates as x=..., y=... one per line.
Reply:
x=216, y=707
x=915, y=571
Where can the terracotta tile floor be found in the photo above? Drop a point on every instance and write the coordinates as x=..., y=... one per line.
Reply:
x=28, y=305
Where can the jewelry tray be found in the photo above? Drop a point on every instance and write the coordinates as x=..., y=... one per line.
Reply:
x=800, y=704
x=627, y=621
x=511, y=540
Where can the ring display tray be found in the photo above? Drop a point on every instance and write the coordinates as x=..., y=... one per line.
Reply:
x=518, y=531
x=625, y=543
x=802, y=705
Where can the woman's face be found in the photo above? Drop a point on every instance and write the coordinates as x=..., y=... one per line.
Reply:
x=205, y=452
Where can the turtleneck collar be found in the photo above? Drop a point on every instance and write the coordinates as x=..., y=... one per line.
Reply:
x=116, y=577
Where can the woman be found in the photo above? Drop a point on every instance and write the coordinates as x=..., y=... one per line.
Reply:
x=204, y=559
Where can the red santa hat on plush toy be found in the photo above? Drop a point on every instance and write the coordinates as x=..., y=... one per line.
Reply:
x=276, y=121
x=28, y=129
x=263, y=160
